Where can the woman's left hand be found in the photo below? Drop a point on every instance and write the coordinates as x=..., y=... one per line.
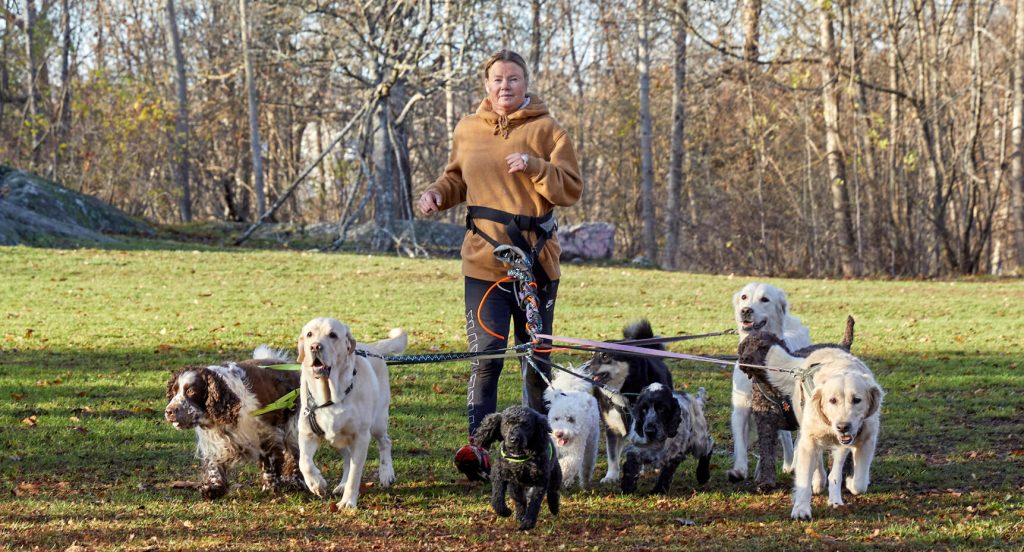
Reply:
x=517, y=162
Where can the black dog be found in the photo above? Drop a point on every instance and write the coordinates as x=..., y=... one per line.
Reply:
x=771, y=405
x=526, y=465
x=667, y=425
x=626, y=375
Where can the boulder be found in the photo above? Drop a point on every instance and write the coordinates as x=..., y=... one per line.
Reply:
x=587, y=241
x=36, y=211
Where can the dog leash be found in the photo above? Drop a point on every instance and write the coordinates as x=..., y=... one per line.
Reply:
x=643, y=351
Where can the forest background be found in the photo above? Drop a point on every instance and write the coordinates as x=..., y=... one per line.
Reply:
x=819, y=138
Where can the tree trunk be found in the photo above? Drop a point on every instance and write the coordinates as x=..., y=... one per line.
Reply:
x=1016, y=221
x=64, y=111
x=33, y=70
x=646, y=161
x=834, y=148
x=254, y=116
x=180, y=141
x=751, y=34
x=535, y=37
x=676, y=175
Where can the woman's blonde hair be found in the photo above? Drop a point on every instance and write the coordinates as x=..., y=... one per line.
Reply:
x=506, y=55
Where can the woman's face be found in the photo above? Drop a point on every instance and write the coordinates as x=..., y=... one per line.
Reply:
x=506, y=87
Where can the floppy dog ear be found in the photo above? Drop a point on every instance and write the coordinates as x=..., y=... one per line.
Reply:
x=489, y=431
x=222, y=405
x=675, y=417
x=816, y=399
x=351, y=341
x=874, y=399
x=302, y=349
x=541, y=435
x=172, y=381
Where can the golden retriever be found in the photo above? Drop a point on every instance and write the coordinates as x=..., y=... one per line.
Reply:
x=839, y=408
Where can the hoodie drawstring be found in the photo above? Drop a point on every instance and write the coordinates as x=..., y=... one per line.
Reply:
x=502, y=126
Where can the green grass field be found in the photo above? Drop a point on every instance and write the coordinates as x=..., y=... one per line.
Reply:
x=88, y=339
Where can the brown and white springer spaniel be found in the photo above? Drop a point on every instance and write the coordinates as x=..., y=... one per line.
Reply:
x=218, y=401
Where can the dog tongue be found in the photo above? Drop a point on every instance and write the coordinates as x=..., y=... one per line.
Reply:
x=561, y=441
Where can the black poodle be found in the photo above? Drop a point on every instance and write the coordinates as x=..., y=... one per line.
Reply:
x=526, y=464
x=667, y=425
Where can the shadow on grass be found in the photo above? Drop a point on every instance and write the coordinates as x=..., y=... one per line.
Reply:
x=94, y=413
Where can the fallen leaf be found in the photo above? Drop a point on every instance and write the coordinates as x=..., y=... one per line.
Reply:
x=182, y=485
x=333, y=507
x=25, y=488
x=17, y=396
x=28, y=333
x=76, y=548
x=74, y=419
x=30, y=421
x=437, y=388
x=80, y=429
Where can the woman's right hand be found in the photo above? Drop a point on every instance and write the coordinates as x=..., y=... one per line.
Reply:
x=430, y=202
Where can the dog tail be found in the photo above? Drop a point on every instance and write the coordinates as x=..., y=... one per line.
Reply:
x=848, y=334
x=264, y=351
x=641, y=329
x=395, y=343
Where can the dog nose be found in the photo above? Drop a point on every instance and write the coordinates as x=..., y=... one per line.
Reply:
x=843, y=428
x=558, y=433
x=316, y=348
x=169, y=414
x=746, y=311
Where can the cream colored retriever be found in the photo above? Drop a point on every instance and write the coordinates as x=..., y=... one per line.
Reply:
x=838, y=405
x=762, y=307
x=345, y=400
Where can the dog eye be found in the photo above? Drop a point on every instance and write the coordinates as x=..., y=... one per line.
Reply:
x=333, y=335
x=765, y=299
x=832, y=400
x=571, y=420
x=743, y=297
x=856, y=400
x=309, y=334
x=190, y=392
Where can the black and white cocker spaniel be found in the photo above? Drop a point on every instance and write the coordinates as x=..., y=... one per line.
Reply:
x=667, y=425
x=218, y=402
x=526, y=465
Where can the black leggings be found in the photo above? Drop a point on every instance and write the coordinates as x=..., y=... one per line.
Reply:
x=501, y=305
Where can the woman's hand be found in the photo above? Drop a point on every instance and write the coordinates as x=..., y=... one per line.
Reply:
x=430, y=202
x=517, y=162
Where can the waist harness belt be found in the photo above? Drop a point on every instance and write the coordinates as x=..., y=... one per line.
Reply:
x=544, y=226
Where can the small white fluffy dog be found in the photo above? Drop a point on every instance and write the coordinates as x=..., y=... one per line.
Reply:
x=345, y=400
x=841, y=413
x=760, y=307
x=575, y=426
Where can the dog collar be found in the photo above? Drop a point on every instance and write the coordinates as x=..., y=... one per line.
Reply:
x=312, y=407
x=525, y=457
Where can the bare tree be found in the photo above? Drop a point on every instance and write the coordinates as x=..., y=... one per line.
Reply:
x=834, y=147
x=646, y=155
x=254, y=115
x=180, y=142
x=1017, y=138
x=676, y=176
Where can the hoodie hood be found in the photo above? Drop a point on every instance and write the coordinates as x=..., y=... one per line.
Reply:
x=503, y=124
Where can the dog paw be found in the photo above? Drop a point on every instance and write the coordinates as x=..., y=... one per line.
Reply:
x=346, y=504
x=788, y=468
x=766, y=487
x=386, y=476
x=736, y=475
x=801, y=512
x=835, y=504
x=213, y=492
x=318, y=487
x=610, y=478
x=504, y=511
x=854, y=488
x=527, y=524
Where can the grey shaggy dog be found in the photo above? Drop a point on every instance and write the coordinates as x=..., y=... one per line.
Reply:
x=769, y=404
x=667, y=425
x=526, y=465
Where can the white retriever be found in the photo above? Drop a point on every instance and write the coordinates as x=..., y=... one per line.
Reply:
x=345, y=400
x=760, y=307
x=838, y=409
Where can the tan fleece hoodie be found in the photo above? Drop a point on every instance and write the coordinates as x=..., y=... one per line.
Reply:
x=477, y=174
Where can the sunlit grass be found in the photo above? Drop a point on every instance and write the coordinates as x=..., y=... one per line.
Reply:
x=89, y=337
